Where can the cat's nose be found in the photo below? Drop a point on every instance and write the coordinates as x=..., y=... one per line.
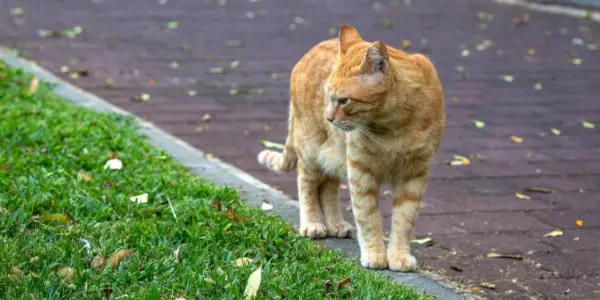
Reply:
x=330, y=119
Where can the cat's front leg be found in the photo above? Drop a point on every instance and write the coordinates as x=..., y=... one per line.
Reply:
x=407, y=202
x=364, y=193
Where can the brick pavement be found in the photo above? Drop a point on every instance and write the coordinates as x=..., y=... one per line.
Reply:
x=469, y=211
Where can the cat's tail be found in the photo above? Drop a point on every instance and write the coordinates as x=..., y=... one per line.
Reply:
x=285, y=161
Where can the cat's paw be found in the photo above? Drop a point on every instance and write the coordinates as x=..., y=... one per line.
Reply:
x=374, y=260
x=401, y=261
x=313, y=230
x=341, y=230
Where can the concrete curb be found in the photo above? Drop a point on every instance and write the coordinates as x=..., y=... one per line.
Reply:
x=219, y=172
x=554, y=9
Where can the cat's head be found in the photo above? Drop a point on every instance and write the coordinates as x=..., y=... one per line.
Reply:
x=356, y=88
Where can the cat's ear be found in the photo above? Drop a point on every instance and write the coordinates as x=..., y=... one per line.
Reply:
x=376, y=59
x=348, y=36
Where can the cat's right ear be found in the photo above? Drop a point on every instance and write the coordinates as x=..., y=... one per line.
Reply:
x=348, y=36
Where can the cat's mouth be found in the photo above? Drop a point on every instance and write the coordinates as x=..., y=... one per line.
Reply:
x=345, y=127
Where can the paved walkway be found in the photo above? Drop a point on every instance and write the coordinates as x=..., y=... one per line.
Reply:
x=229, y=61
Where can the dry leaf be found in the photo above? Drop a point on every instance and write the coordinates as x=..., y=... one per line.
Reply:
x=60, y=218
x=555, y=232
x=67, y=273
x=423, y=241
x=579, y=223
x=346, y=282
x=266, y=206
x=243, y=261
x=270, y=144
x=34, y=85
x=215, y=204
x=140, y=199
x=539, y=190
x=234, y=217
x=116, y=258
x=516, y=139
x=253, y=283
x=114, y=164
x=522, y=196
x=98, y=262
x=488, y=285
x=498, y=255
x=85, y=176
x=16, y=272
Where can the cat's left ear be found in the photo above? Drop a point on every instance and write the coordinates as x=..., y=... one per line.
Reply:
x=376, y=60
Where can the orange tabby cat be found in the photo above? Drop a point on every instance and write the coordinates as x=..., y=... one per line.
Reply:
x=368, y=113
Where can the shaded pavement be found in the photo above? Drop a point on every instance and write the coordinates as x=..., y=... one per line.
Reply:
x=215, y=73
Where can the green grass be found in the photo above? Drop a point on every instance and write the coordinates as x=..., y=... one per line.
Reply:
x=46, y=142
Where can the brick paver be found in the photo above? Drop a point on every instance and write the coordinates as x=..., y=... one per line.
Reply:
x=469, y=211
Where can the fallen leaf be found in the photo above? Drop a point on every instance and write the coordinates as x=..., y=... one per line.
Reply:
x=555, y=131
x=540, y=190
x=423, y=241
x=140, y=199
x=266, y=206
x=85, y=176
x=67, y=273
x=465, y=52
x=507, y=78
x=199, y=129
x=406, y=44
x=56, y=217
x=34, y=85
x=270, y=144
x=488, y=285
x=577, y=61
x=516, y=139
x=98, y=262
x=215, y=204
x=174, y=65
x=253, y=283
x=116, y=258
x=17, y=11
x=243, y=261
x=16, y=272
x=522, y=196
x=478, y=124
x=555, y=232
x=588, y=125
x=206, y=118
x=498, y=255
x=114, y=164
x=474, y=289
x=234, y=64
x=459, y=160
x=538, y=86
x=234, y=217
x=173, y=25
x=216, y=70
x=579, y=223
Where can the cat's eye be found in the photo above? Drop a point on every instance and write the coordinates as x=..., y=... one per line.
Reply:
x=342, y=101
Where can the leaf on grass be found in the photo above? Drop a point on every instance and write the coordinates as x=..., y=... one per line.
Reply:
x=57, y=217
x=588, y=125
x=555, y=232
x=67, y=273
x=140, y=199
x=85, y=176
x=423, y=241
x=478, y=124
x=266, y=206
x=243, y=261
x=215, y=204
x=499, y=255
x=270, y=144
x=114, y=164
x=516, y=139
x=346, y=282
x=16, y=272
x=522, y=196
x=34, y=85
x=233, y=216
x=540, y=190
x=579, y=223
x=488, y=285
x=98, y=262
x=253, y=283
x=116, y=258
x=555, y=131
